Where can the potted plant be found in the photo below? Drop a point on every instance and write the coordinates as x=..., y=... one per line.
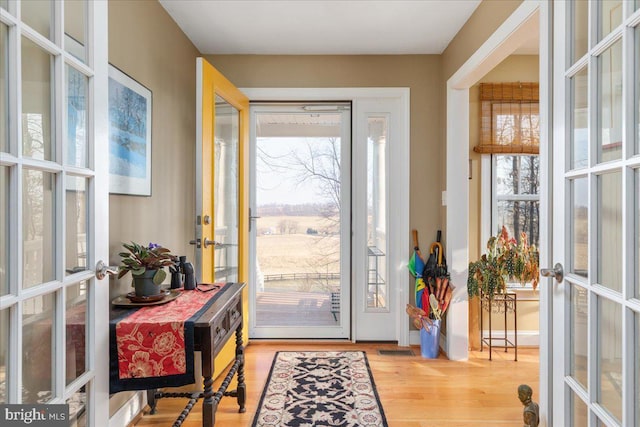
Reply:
x=146, y=264
x=505, y=260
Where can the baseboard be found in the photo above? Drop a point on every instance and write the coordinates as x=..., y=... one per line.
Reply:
x=129, y=411
x=525, y=338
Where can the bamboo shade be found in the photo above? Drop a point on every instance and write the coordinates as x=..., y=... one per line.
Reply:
x=510, y=118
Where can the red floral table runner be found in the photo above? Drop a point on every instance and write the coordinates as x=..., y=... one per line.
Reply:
x=153, y=346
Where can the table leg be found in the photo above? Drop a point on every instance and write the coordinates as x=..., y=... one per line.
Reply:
x=490, y=333
x=242, y=387
x=481, y=326
x=505, y=326
x=151, y=400
x=209, y=405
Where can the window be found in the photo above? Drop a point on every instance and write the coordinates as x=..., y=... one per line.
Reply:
x=510, y=133
x=515, y=201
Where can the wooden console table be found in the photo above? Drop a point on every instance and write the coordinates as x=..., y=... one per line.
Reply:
x=504, y=303
x=212, y=330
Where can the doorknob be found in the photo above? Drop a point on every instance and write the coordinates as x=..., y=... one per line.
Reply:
x=208, y=242
x=557, y=272
x=102, y=270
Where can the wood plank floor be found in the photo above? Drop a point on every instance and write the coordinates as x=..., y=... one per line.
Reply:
x=414, y=392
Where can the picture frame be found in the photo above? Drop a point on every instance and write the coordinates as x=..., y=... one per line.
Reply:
x=129, y=135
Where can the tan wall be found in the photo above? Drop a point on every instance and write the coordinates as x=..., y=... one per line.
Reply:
x=145, y=43
x=421, y=73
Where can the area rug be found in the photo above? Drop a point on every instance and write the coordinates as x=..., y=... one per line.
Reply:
x=320, y=388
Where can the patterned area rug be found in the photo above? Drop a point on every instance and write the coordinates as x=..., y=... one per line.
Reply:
x=320, y=388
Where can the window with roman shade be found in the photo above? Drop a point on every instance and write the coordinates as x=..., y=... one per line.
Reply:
x=510, y=118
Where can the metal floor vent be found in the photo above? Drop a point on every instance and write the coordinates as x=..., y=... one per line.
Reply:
x=395, y=352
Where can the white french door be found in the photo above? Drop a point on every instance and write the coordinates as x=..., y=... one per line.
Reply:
x=596, y=213
x=54, y=206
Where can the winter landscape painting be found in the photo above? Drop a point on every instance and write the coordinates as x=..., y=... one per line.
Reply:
x=129, y=135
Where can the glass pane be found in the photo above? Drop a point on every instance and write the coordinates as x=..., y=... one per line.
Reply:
x=74, y=27
x=637, y=233
x=3, y=3
x=579, y=412
x=298, y=232
x=517, y=175
x=38, y=216
x=580, y=227
x=37, y=97
x=610, y=356
x=38, y=14
x=76, y=224
x=75, y=321
x=4, y=89
x=579, y=29
x=580, y=120
x=610, y=105
x=225, y=192
x=609, y=222
x=637, y=87
x=38, y=316
x=578, y=334
x=377, y=291
x=4, y=230
x=77, y=89
x=519, y=216
x=610, y=16
x=4, y=355
x=637, y=354
x=78, y=410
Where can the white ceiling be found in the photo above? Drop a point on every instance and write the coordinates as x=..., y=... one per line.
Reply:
x=314, y=27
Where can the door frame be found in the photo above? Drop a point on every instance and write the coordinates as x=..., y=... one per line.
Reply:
x=399, y=229
x=507, y=37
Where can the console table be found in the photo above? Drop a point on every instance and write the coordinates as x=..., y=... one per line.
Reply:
x=212, y=330
x=504, y=303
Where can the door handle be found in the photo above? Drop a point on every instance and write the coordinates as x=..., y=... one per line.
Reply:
x=103, y=269
x=556, y=272
x=208, y=242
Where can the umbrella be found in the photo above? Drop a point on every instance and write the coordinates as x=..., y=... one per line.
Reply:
x=416, y=267
x=436, y=277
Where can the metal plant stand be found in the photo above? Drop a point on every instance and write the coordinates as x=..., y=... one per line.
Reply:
x=504, y=303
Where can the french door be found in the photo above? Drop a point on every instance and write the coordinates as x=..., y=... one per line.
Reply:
x=54, y=206
x=596, y=213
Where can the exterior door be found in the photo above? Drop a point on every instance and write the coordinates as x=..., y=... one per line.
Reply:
x=300, y=227
x=54, y=207
x=596, y=214
x=221, y=185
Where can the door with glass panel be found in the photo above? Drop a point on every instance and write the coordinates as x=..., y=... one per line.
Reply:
x=300, y=227
x=596, y=215
x=53, y=197
x=221, y=186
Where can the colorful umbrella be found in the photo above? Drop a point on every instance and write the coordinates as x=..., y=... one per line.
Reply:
x=416, y=267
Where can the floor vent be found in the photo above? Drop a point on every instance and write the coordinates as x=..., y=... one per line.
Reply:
x=395, y=352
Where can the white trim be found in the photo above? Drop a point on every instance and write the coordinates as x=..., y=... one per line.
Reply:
x=400, y=241
x=125, y=415
x=499, y=45
x=486, y=207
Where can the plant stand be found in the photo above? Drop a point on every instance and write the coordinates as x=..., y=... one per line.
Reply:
x=504, y=303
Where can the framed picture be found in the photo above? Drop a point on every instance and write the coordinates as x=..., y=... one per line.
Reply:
x=129, y=135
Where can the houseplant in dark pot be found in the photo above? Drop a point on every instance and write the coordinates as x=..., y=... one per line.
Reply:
x=146, y=264
x=505, y=260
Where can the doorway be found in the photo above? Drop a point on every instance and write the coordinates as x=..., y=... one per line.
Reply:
x=300, y=223
x=374, y=138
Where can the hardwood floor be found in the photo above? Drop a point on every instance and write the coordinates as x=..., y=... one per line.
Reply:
x=414, y=392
